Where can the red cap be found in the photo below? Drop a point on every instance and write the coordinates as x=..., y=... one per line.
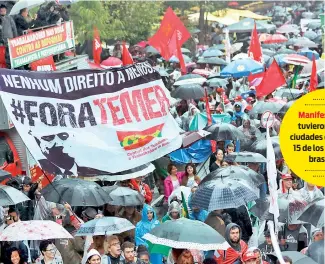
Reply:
x=238, y=98
x=286, y=176
x=226, y=101
x=220, y=90
x=249, y=108
x=249, y=99
x=249, y=255
x=224, y=96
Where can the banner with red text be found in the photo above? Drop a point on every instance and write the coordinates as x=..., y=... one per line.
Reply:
x=40, y=44
x=88, y=122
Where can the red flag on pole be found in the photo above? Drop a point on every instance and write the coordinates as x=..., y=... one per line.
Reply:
x=97, y=47
x=313, y=77
x=273, y=78
x=255, y=52
x=126, y=56
x=171, y=29
x=180, y=57
x=209, y=117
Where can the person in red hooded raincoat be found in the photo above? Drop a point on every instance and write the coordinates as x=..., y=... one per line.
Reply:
x=238, y=247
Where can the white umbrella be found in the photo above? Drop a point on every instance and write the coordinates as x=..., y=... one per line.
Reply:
x=105, y=226
x=178, y=193
x=25, y=4
x=34, y=230
x=190, y=81
x=240, y=56
x=11, y=196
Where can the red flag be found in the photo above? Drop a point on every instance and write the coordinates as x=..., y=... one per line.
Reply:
x=180, y=57
x=165, y=38
x=207, y=107
x=44, y=64
x=255, y=52
x=97, y=47
x=313, y=77
x=273, y=78
x=126, y=56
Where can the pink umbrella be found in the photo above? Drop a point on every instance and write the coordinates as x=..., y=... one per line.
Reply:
x=34, y=230
x=275, y=38
x=202, y=72
x=142, y=44
x=111, y=62
x=94, y=66
x=295, y=59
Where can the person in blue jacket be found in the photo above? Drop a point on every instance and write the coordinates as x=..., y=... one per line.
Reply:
x=237, y=118
x=147, y=223
x=196, y=213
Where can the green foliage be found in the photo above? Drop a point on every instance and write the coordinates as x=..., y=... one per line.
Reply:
x=131, y=21
x=86, y=15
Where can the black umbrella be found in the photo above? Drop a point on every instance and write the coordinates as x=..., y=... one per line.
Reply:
x=262, y=107
x=188, y=91
x=123, y=196
x=290, y=207
x=259, y=146
x=289, y=94
x=245, y=156
x=295, y=256
x=76, y=192
x=11, y=196
x=223, y=194
x=224, y=131
x=286, y=107
x=314, y=214
x=4, y=175
x=235, y=172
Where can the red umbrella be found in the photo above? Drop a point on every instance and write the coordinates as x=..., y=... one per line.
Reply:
x=275, y=38
x=262, y=37
x=142, y=44
x=295, y=59
x=94, y=66
x=202, y=72
x=233, y=3
x=111, y=62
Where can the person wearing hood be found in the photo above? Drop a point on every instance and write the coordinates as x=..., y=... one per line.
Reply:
x=237, y=246
x=174, y=212
x=93, y=257
x=251, y=132
x=235, y=91
x=317, y=235
x=195, y=212
x=237, y=118
x=241, y=217
x=147, y=223
x=310, y=192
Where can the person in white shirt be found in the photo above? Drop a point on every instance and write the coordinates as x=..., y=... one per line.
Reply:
x=235, y=92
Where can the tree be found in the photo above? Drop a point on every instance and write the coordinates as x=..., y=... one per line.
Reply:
x=132, y=21
x=86, y=15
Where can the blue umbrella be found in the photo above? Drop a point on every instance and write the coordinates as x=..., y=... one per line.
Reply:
x=278, y=59
x=309, y=54
x=174, y=59
x=212, y=53
x=242, y=68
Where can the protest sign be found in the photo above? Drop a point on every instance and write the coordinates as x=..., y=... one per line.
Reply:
x=91, y=122
x=43, y=43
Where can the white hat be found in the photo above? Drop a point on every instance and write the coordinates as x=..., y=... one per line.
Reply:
x=93, y=252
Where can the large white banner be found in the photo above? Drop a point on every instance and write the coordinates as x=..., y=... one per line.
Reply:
x=89, y=122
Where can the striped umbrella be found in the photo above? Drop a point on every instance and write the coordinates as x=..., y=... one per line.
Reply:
x=295, y=59
x=275, y=38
